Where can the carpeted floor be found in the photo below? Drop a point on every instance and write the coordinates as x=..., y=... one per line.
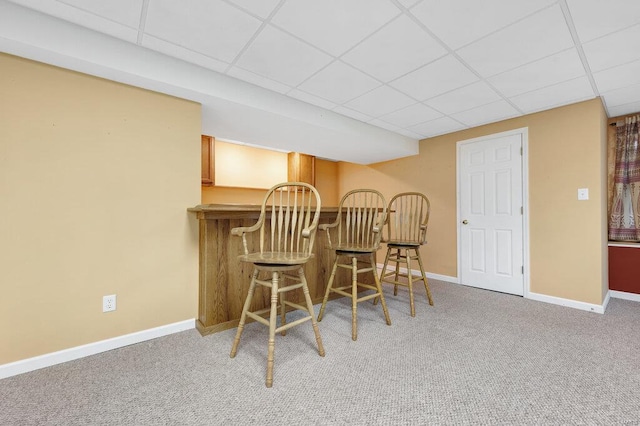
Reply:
x=476, y=357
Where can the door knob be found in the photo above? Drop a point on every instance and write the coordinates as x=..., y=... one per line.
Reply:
x=464, y=222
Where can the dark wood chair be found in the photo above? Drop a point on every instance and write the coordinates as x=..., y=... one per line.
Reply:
x=361, y=215
x=284, y=239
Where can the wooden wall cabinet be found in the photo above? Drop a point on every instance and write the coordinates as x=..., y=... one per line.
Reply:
x=208, y=160
x=301, y=168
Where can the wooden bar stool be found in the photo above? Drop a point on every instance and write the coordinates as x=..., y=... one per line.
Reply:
x=284, y=235
x=406, y=232
x=361, y=215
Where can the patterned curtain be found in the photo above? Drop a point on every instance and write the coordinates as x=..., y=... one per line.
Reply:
x=624, y=223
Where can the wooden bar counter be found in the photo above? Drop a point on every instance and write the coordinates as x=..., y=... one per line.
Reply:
x=224, y=280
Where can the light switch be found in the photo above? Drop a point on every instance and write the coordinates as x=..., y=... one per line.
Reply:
x=583, y=193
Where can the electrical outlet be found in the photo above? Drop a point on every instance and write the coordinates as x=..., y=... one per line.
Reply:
x=109, y=303
x=583, y=194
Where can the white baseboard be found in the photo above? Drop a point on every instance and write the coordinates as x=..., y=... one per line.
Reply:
x=438, y=277
x=47, y=360
x=446, y=278
x=590, y=307
x=542, y=297
x=624, y=295
x=606, y=302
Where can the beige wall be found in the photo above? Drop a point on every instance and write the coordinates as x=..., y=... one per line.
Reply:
x=274, y=171
x=604, y=158
x=228, y=195
x=431, y=172
x=567, y=151
x=327, y=182
x=95, y=180
x=248, y=167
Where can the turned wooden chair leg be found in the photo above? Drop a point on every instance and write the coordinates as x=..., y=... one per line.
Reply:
x=328, y=290
x=386, y=263
x=283, y=310
x=307, y=298
x=243, y=316
x=354, y=298
x=407, y=257
x=424, y=276
x=397, y=276
x=272, y=328
x=383, y=272
x=379, y=287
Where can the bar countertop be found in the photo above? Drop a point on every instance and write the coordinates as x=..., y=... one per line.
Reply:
x=230, y=211
x=239, y=208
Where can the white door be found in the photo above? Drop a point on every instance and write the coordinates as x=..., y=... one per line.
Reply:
x=490, y=227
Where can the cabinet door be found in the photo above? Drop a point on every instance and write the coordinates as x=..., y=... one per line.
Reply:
x=301, y=168
x=208, y=160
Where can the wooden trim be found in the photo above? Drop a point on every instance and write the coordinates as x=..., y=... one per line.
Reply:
x=301, y=168
x=208, y=160
x=236, y=211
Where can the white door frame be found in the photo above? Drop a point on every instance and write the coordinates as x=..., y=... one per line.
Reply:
x=524, y=132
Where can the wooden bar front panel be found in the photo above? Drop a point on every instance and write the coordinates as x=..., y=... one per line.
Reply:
x=224, y=281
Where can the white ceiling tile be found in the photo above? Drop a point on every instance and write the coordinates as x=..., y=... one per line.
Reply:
x=182, y=53
x=553, y=69
x=411, y=115
x=410, y=134
x=258, y=80
x=281, y=57
x=352, y=113
x=464, y=98
x=126, y=12
x=616, y=77
x=460, y=22
x=339, y=83
x=436, y=78
x=564, y=93
x=379, y=123
x=535, y=37
x=622, y=96
x=380, y=101
x=614, y=49
x=311, y=99
x=398, y=48
x=595, y=18
x=523, y=50
x=334, y=25
x=408, y=3
x=436, y=127
x=496, y=111
x=211, y=27
x=262, y=8
x=630, y=108
x=88, y=19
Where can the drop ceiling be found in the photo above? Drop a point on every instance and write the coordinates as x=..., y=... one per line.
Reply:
x=391, y=71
